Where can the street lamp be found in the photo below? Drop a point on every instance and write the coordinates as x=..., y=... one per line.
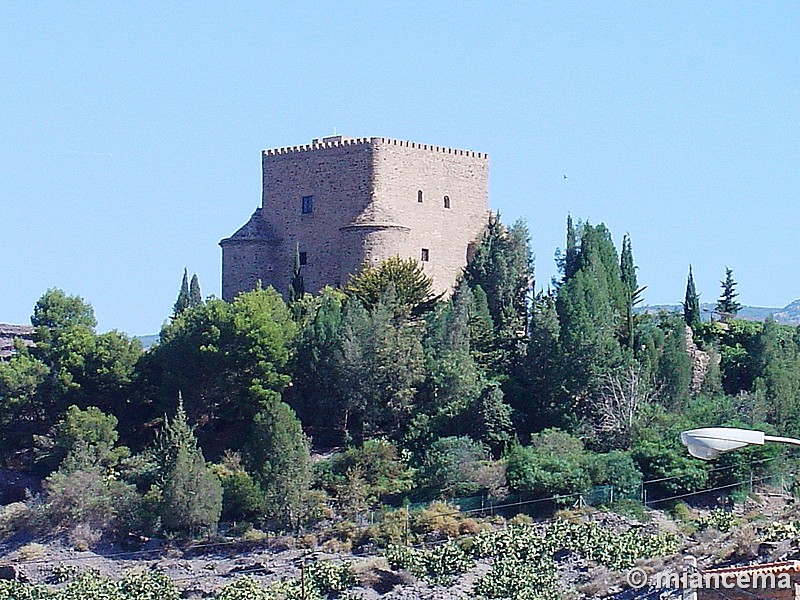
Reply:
x=708, y=443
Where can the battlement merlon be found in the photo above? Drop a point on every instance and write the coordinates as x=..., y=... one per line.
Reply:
x=339, y=141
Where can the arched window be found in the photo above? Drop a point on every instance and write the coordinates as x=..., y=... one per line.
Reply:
x=447, y=201
x=419, y=195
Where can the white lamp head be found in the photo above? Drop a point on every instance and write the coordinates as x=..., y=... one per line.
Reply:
x=710, y=442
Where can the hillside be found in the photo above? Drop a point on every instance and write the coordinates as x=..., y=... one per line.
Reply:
x=789, y=315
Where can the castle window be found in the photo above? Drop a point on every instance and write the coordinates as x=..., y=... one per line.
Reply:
x=419, y=195
x=426, y=255
x=303, y=258
x=447, y=201
x=307, y=206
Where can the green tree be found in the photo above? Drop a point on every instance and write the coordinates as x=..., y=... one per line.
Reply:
x=452, y=381
x=727, y=305
x=84, y=368
x=691, y=304
x=191, y=495
x=541, y=402
x=183, y=302
x=413, y=289
x=380, y=365
x=592, y=306
x=55, y=310
x=775, y=359
x=491, y=421
x=316, y=394
x=674, y=374
x=503, y=268
x=23, y=407
x=195, y=296
x=297, y=288
x=213, y=354
x=91, y=431
x=631, y=288
x=277, y=454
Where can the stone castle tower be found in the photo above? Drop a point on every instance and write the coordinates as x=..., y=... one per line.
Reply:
x=343, y=202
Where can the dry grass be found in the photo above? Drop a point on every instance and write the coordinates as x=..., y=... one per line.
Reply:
x=30, y=552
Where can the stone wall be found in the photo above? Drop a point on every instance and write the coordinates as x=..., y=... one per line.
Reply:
x=7, y=335
x=365, y=207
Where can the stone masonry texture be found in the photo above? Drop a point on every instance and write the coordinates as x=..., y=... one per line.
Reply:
x=345, y=202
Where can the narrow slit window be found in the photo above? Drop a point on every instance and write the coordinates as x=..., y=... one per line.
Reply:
x=426, y=255
x=447, y=201
x=419, y=195
x=307, y=206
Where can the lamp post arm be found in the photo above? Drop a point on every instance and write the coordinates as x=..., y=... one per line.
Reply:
x=782, y=440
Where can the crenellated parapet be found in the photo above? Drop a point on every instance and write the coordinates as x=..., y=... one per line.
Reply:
x=341, y=141
x=341, y=202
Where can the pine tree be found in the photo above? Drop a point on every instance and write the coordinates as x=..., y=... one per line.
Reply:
x=691, y=304
x=191, y=494
x=727, y=305
x=412, y=288
x=502, y=268
x=195, y=296
x=182, y=303
x=277, y=454
x=674, y=373
x=541, y=400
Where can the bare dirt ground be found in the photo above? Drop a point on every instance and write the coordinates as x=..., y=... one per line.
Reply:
x=200, y=568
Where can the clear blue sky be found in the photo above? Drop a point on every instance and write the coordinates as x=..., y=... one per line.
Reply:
x=130, y=132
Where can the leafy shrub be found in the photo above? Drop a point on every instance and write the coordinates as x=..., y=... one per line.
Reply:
x=543, y=473
x=453, y=465
x=439, y=517
x=329, y=577
x=778, y=531
x=244, y=588
x=15, y=590
x=87, y=496
x=618, y=469
x=148, y=586
x=384, y=470
x=719, y=519
x=438, y=565
x=242, y=498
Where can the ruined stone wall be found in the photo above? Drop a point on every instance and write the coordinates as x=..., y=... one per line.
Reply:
x=365, y=207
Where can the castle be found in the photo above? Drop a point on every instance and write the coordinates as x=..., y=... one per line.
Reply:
x=345, y=202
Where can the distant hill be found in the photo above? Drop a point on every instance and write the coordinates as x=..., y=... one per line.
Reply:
x=147, y=340
x=789, y=315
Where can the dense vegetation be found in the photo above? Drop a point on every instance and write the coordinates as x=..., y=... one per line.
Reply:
x=492, y=391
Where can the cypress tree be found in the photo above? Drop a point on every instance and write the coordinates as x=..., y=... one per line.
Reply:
x=191, y=494
x=691, y=304
x=627, y=270
x=195, y=297
x=182, y=303
x=298, y=287
x=502, y=268
x=277, y=455
x=571, y=256
x=727, y=305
